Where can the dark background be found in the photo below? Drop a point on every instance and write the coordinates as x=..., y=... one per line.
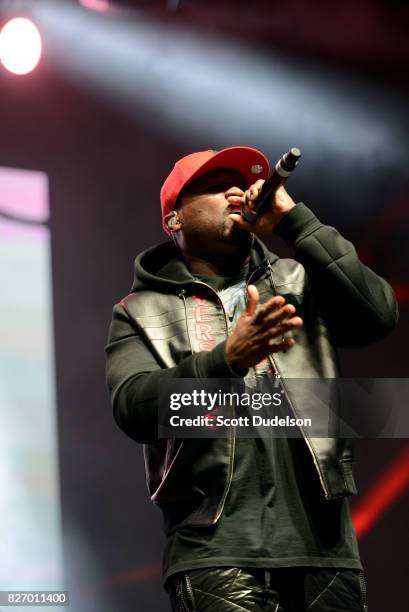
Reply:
x=106, y=161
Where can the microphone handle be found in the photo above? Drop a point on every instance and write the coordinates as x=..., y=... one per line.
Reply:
x=284, y=167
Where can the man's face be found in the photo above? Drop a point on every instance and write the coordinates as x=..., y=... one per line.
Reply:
x=204, y=211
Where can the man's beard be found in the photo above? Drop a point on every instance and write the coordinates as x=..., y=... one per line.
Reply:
x=236, y=236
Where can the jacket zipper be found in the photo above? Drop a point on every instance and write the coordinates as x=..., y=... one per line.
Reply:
x=277, y=375
x=308, y=443
x=362, y=581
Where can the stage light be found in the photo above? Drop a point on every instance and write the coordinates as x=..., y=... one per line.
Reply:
x=20, y=46
x=189, y=84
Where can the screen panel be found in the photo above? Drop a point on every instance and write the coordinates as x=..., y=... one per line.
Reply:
x=30, y=528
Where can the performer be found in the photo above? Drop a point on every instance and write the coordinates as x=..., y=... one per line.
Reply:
x=262, y=523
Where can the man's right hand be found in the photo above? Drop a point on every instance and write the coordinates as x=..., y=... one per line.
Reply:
x=259, y=331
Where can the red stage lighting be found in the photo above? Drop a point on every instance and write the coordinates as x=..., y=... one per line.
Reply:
x=20, y=45
x=96, y=5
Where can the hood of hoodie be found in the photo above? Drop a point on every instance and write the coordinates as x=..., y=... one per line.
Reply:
x=162, y=267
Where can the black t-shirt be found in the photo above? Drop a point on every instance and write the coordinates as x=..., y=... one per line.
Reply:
x=275, y=514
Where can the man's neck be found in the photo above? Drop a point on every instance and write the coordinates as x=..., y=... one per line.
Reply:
x=225, y=266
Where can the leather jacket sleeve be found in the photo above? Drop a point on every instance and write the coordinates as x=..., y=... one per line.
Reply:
x=359, y=307
x=133, y=375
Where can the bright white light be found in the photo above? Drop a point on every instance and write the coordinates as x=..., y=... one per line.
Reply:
x=20, y=46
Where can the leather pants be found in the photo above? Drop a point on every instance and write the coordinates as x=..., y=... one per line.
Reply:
x=294, y=589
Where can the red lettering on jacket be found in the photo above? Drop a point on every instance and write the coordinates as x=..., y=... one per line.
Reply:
x=203, y=324
x=203, y=331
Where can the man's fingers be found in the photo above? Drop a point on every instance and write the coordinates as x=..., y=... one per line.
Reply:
x=252, y=193
x=275, y=347
x=259, y=183
x=272, y=317
x=252, y=300
x=249, y=195
x=273, y=303
x=284, y=326
x=236, y=199
x=278, y=331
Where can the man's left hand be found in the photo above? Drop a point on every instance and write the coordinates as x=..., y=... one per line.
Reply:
x=281, y=204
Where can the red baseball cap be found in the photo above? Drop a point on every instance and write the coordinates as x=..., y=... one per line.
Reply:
x=250, y=163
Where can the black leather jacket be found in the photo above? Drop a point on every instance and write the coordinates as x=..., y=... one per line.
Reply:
x=172, y=325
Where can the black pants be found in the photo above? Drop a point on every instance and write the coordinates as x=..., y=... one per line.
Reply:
x=298, y=589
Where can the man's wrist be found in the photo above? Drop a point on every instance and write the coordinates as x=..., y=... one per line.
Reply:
x=284, y=212
x=296, y=224
x=236, y=370
x=214, y=364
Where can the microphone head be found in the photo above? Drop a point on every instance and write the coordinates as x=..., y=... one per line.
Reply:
x=295, y=151
x=290, y=159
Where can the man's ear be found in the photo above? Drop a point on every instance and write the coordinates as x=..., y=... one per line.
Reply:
x=172, y=221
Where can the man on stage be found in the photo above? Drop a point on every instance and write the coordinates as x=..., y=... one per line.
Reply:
x=252, y=524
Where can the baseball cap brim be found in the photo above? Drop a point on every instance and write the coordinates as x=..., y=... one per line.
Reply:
x=250, y=163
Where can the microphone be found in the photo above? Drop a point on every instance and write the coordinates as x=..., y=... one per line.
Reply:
x=283, y=168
